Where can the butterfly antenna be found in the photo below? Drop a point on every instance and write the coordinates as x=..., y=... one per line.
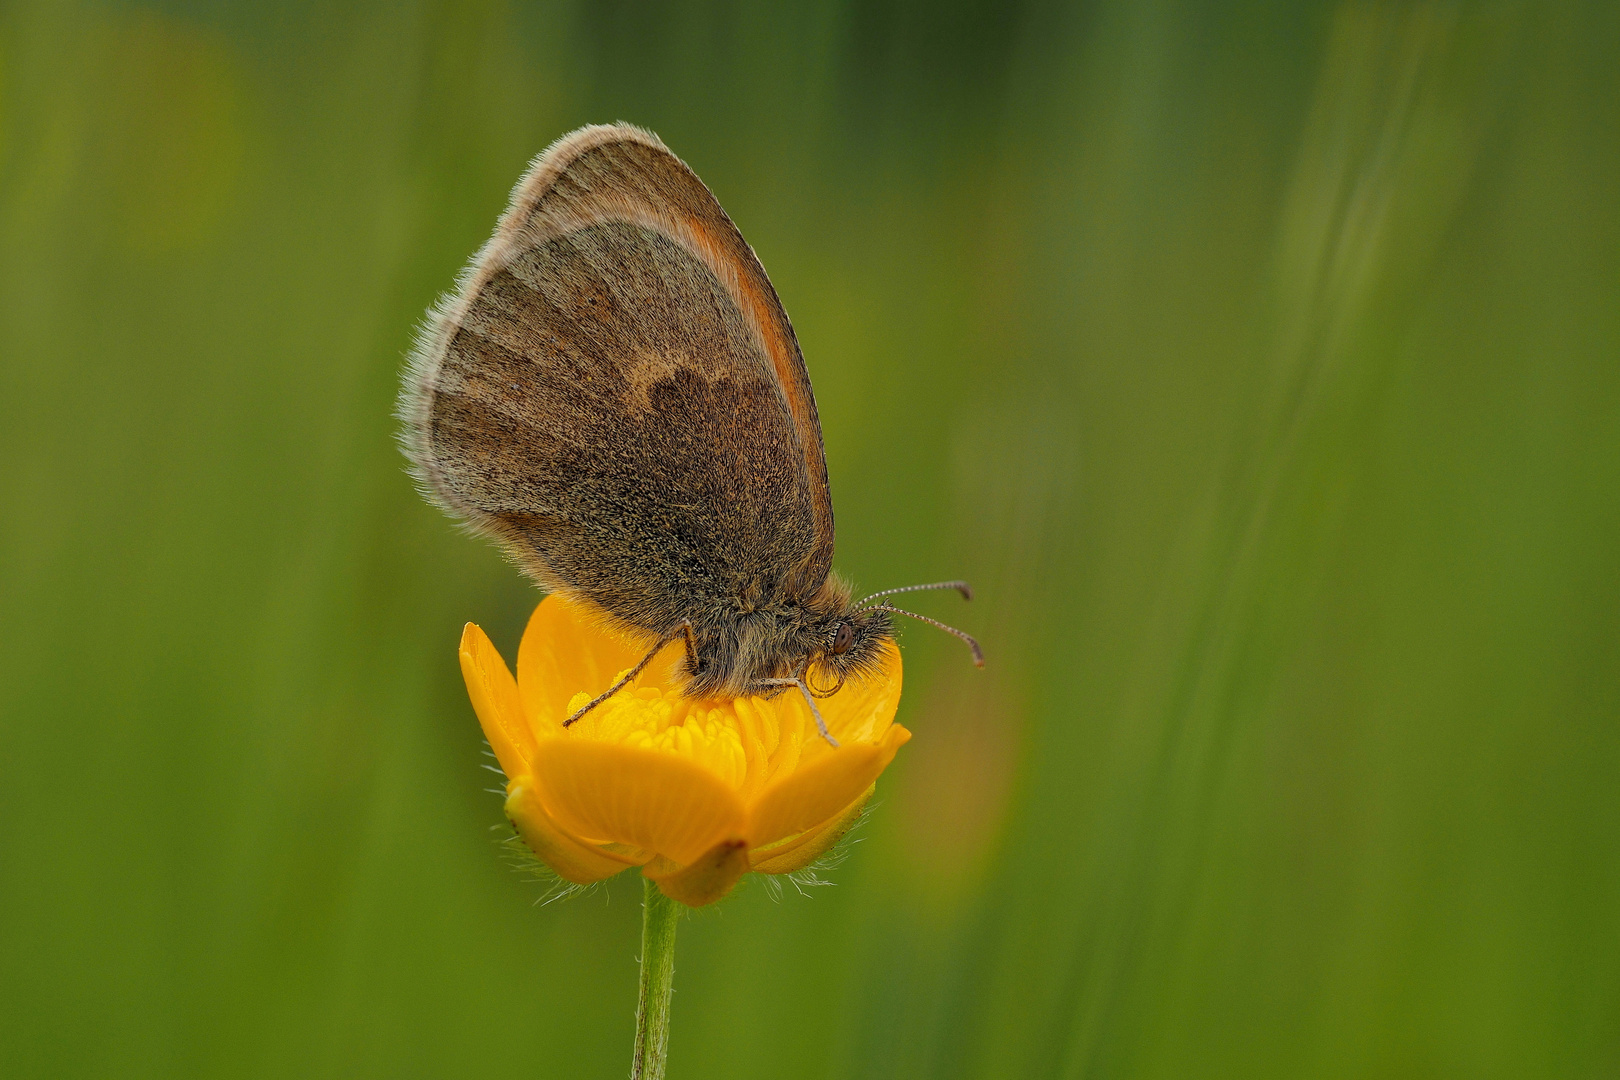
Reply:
x=978, y=653
x=960, y=586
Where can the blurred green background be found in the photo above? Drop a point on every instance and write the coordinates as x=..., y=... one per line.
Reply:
x=1259, y=363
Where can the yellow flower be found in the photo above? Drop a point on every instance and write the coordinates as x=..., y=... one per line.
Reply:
x=695, y=793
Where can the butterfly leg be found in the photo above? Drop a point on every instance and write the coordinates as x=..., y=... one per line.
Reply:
x=691, y=645
x=691, y=651
x=821, y=725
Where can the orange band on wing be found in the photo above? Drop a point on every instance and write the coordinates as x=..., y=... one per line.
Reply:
x=783, y=353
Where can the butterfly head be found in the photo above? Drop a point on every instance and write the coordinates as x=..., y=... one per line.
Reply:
x=852, y=643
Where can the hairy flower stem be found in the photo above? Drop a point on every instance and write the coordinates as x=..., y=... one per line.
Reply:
x=658, y=918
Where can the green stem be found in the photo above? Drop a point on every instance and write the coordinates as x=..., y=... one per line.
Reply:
x=658, y=918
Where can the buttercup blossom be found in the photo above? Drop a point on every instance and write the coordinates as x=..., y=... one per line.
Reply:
x=696, y=793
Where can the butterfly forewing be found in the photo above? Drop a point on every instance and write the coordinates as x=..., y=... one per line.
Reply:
x=616, y=394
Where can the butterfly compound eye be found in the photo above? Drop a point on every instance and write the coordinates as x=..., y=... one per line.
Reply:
x=843, y=639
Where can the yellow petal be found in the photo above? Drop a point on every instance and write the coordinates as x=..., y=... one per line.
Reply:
x=573, y=859
x=807, y=847
x=863, y=710
x=565, y=650
x=814, y=792
x=495, y=699
x=628, y=795
x=707, y=879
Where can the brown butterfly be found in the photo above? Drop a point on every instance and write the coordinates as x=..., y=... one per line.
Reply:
x=615, y=395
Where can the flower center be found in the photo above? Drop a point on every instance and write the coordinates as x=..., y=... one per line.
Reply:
x=746, y=743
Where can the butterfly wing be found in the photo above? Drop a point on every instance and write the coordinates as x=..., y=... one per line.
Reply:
x=615, y=394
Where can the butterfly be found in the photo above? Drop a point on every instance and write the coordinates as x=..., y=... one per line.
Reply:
x=614, y=394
